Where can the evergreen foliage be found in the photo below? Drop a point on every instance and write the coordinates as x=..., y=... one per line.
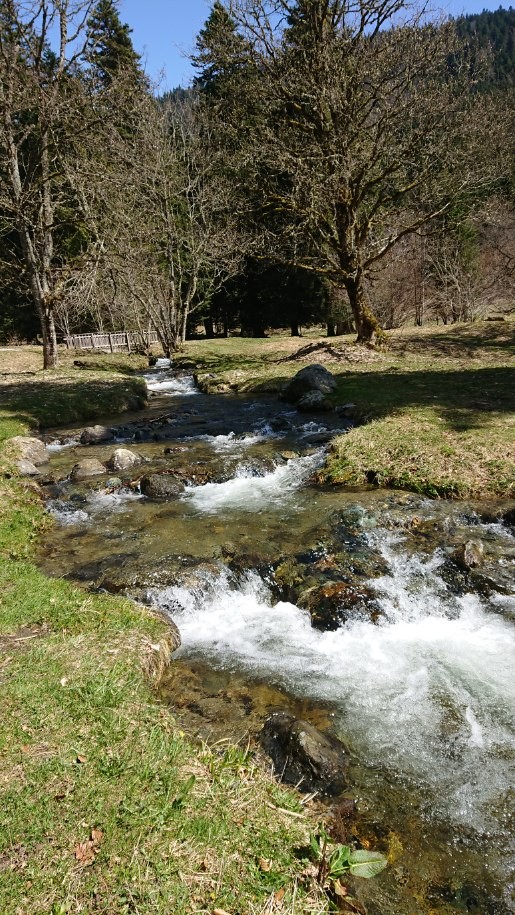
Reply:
x=493, y=32
x=110, y=49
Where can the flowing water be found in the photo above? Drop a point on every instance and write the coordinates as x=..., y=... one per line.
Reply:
x=422, y=693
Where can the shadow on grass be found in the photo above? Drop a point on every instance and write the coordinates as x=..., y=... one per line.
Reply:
x=460, y=341
x=464, y=398
x=53, y=402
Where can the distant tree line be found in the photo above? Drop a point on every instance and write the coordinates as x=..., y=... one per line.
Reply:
x=344, y=162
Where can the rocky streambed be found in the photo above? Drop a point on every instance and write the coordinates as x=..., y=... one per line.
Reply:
x=381, y=619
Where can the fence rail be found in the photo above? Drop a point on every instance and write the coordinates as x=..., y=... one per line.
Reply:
x=125, y=342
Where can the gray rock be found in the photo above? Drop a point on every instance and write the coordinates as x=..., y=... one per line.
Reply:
x=87, y=467
x=123, y=459
x=28, y=448
x=313, y=402
x=161, y=486
x=27, y=468
x=469, y=555
x=312, y=378
x=303, y=756
x=95, y=435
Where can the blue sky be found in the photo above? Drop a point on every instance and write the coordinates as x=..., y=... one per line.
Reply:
x=164, y=31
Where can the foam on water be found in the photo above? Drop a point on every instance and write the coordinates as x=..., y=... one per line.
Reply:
x=96, y=502
x=162, y=383
x=248, y=492
x=428, y=693
x=65, y=514
x=101, y=501
x=58, y=445
x=234, y=442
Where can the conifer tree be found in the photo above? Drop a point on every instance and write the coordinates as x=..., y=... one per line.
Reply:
x=110, y=49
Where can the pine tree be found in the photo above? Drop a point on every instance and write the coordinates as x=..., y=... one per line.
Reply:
x=110, y=48
x=220, y=55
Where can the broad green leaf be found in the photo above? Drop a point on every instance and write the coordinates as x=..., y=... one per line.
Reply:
x=339, y=860
x=367, y=864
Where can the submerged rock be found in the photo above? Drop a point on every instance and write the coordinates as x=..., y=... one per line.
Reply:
x=29, y=449
x=313, y=378
x=303, y=756
x=87, y=467
x=95, y=435
x=161, y=486
x=123, y=459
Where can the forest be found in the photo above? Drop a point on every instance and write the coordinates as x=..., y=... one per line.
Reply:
x=334, y=162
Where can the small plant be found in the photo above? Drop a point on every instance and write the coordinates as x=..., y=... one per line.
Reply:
x=337, y=861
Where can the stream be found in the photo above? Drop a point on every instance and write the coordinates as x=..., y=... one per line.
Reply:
x=347, y=608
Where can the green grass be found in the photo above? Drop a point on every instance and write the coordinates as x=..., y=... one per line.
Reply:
x=436, y=407
x=107, y=807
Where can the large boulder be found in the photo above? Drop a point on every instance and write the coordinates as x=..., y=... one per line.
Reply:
x=303, y=756
x=87, y=467
x=161, y=486
x=312, y=378
x=123, y=459
x=28, y=448
x=95, y=435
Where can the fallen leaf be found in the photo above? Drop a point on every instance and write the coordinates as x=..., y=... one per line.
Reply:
x=339, y=889
x=220, y=912
x=265, y=865
x=85, y=853
x=80, y=759
x=96, y=836
x=63, y=681
x=279, y=894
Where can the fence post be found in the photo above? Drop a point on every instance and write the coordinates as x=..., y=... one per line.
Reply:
x=110, y=342
x=127, y=337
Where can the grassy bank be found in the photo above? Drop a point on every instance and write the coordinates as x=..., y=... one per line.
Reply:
x=100, y=385
x=106, y=806
x=437, y=407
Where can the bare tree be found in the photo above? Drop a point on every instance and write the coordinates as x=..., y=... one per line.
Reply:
x=173, y=238
x=41, y=103
x=371, y=131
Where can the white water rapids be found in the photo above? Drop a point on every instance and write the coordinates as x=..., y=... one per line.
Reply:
x=428, y=693
x=248, y=492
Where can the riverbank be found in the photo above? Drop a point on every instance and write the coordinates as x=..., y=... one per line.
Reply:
x=107, y=805
x=436, y=407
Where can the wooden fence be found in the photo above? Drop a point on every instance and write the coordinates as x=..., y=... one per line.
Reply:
x=125, y=342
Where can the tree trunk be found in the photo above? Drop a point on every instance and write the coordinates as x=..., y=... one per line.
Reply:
x=331, y=329
x=50, y=353
x=209, y=328
x=367, y=325
x=295, y=330
x=181, y=335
